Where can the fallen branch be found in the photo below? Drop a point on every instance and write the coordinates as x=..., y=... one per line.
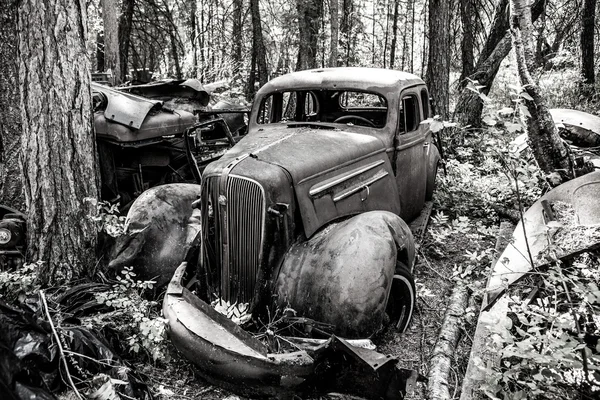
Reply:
x=443, y=352
x=59, y=346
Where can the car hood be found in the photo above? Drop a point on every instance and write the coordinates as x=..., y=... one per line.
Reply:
x=334, y=173
x=305, y=151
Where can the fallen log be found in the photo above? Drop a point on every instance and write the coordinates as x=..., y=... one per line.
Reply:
x=443, y=352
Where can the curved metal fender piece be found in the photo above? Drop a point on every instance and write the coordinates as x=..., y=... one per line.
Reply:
x=343, y=274
x=159, y=230
x=582, y=193
x=230, y=357
x=585, y=126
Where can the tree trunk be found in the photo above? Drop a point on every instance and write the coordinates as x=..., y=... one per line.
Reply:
x=438, y=65
x=258, y=64
x=111, y=40
x=125, y=23
x=467, y=17
x=335, y=32
x=11, y=187
x=394, y=35
x=588, y=13
x=237, y=36
x=548, y=149
x=497, y=46
x=310, y=13
x=58, y=145
x=346, y=30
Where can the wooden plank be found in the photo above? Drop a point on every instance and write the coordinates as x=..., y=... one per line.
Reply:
x=419, y=224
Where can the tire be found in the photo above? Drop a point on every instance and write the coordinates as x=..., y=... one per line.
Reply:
x=402, y=299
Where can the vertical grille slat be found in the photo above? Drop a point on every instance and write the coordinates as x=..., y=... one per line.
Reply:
x=245, y=209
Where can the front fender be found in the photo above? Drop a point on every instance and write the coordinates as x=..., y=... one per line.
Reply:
x=343, y=274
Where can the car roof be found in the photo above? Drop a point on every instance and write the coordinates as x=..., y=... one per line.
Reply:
x=359, y=78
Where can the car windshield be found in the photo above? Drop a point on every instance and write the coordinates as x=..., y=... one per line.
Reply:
x=339, y=106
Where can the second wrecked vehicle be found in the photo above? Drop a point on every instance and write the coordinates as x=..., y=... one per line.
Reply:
x=305, y=218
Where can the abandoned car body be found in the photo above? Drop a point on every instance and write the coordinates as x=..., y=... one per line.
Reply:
x=143, y=144
x=307, y=213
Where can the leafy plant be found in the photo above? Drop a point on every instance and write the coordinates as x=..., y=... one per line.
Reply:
x=19, y=282
x=134, y=317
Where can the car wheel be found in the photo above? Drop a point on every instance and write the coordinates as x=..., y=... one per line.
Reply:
x=402, y=299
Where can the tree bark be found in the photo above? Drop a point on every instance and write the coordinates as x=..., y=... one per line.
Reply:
x=11, y=187
x=497, y=46
x=335, y=32
x=125, y=24
x=588, y=17
x=394, y=35
x=443, y=352
x=548, y=149
x=310, y=13
x=58, y=144
x=438, y=65
x=111, y=40
x=258, y=64
x=467, y=45
x=237, y=36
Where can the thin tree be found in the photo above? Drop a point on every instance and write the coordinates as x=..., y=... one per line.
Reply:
x=438, y=65
x=125, y=25
x=394, y=34
x=468, y=12
x=112, y=62
x=310, y=13
x=258, y=63
x=588, y=17
x=58, y=142
x=548, y=149
x=334, y=18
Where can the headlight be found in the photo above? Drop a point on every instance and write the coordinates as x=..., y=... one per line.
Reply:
x=5, y=236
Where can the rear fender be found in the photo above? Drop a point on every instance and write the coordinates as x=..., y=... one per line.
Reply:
x=343, y=274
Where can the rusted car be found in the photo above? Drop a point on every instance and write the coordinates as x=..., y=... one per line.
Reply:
x=142, y=143
x=305, y=219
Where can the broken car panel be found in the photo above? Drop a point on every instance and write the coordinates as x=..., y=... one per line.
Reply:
x=307, y=213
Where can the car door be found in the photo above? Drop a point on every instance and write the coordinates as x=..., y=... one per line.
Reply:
x=412, y=143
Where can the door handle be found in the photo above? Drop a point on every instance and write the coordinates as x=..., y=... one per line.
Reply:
x=426, y=144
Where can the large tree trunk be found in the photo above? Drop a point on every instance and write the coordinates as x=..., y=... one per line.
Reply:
x=125, y=24
x=11, y=187
x=59, y=149
x=310, y=13
x=335, y=32
x=111, y=40
x=588, y=13
x=548, y=149
x=497, y=46
x=438, y=65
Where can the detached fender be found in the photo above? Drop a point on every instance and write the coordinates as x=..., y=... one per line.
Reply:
x=343, y=274
x=160, y=228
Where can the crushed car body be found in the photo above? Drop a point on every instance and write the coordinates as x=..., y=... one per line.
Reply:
x=142, y=143
x=303, y=221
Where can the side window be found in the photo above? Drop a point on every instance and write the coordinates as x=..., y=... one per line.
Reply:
x=425, y=102
x=265, y=111
x=410, y=115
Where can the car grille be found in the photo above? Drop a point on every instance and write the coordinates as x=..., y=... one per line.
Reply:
x=233, y=234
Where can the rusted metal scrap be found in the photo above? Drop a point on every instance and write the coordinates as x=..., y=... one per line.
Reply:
x=530, y=238
x=230, y=357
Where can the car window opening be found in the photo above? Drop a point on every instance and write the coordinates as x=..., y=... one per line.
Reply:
x=409, y=115
x=340, y=106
